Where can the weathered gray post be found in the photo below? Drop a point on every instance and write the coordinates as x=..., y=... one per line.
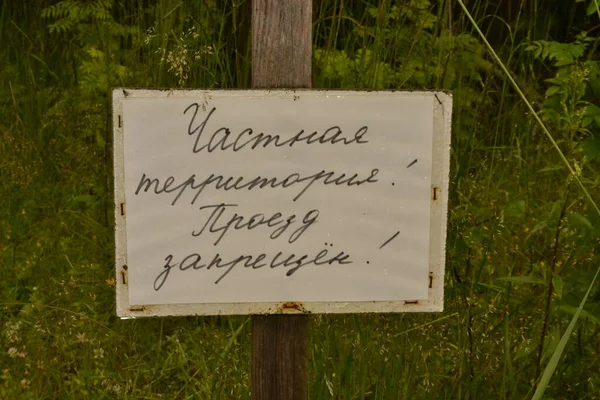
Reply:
x=281, y=58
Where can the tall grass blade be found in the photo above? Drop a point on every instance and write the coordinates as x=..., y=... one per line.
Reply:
x=553, y=363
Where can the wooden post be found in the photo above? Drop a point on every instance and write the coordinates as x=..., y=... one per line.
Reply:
x=281, y=58
x=281, y=44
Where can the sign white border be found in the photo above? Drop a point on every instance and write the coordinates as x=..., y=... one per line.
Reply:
x=442, y=114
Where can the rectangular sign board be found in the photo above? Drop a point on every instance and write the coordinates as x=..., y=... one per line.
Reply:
x=283, y=201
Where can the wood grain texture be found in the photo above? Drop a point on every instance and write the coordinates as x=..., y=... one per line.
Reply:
x=281, y=58
x=279, y=357
x=281, y=43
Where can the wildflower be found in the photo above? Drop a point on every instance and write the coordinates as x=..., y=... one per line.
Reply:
x=12, y=331
x=116, y=389
x=98, y=353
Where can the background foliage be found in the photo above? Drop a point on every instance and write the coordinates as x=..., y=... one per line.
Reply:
x=523, y=243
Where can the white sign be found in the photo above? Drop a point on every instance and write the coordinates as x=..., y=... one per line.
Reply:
x=265, y=201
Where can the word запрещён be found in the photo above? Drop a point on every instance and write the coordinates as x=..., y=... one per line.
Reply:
x=220, y=140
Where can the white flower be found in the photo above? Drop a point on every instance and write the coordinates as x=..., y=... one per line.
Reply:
x=98, y=353
x=12, y=352
x=116, y=389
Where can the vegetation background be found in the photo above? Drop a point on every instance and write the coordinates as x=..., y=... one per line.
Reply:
x=523, y=245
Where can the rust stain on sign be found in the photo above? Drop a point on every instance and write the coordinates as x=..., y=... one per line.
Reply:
x=292, y=307
x=435, y=193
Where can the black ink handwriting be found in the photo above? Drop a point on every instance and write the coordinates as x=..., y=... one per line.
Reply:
x=238, y=221
x=389, y=240
x=222, y=138
x=292, y=262
x=221, y=182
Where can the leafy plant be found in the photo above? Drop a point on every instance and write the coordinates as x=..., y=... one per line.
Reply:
x=570, y=100
x=99, y=37
x=403, y=49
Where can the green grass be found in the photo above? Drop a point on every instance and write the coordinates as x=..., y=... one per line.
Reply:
x=523, y=243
